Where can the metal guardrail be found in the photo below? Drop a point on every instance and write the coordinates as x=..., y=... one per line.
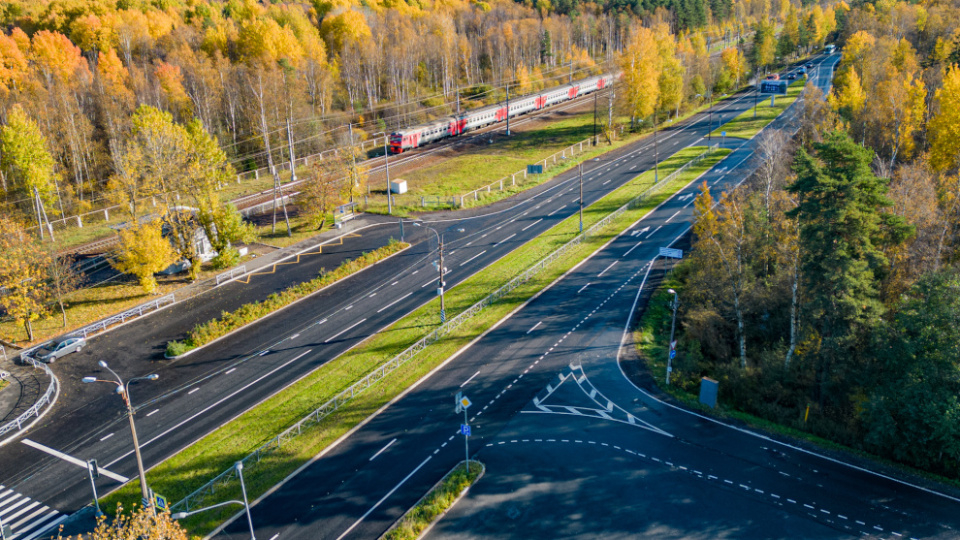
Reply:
x=230, y=274
x=19, y=422
x=197, y=498
x=511, y=180
x=133, y=313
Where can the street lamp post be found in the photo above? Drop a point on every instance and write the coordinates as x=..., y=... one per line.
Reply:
x=386, y=168
x=580, y=174
x=440, y=270
x=673, y=326
x=124, y=390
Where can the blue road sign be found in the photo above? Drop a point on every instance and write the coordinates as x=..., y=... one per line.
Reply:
x=673, y=353
x=465, y=430
x=534, y=169
x=723, y=133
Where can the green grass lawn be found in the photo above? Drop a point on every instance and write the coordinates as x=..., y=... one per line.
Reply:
x=435, y=503
x=745, y=125
x=195, y=465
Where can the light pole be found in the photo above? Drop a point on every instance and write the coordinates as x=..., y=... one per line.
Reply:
x=124, y=390
x=580, y=174
x=673, y=325
x=386, y=168
x=244, y=503
x=440, y=270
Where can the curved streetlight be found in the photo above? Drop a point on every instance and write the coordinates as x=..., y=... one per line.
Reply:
x=673, y=326
x=124, y=390
x=443, y=308
x=580, y=170
x=245, y=503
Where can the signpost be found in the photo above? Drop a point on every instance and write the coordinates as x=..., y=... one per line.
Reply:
x=464, y=403
x=534, y=169
x=774, y=87
x=671, y=253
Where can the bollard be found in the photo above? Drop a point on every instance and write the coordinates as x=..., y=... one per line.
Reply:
x=106, y=214
x=513, y=179
x=256, y=173
x=79, y=222
x=501, y=184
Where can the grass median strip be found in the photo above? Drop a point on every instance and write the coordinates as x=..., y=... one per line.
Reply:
x=436, y=503
x=191, y=468
x=745, y=126
x=204, y=333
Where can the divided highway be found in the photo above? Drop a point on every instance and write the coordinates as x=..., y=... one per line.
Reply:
x=196, y=395
x=359, y=488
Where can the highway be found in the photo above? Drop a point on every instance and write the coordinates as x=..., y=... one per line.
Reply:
x=201, y=392
x=750, y=485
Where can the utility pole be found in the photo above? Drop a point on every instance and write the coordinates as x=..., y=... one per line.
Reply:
x=386, y=166
x=595, y=94
x=656, y=150
x=443, y=307
x=580, y=167
x=508, y=109
x=293, y=158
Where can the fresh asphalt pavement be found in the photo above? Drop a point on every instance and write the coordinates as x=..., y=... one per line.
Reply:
x=360, y=487
x=220, y=381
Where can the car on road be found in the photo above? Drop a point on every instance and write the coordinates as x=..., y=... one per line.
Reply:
x=773, y=77
x=809, y=66
x=58, y=348
x=791, y=76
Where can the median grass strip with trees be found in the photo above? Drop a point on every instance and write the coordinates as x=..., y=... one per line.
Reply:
x=204, y=333
x=435, y=504
x=191, y=468
x=745, y=125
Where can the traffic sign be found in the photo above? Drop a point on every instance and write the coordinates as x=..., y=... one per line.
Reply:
x=671, y=253
x=723, y=133
x=773, y=87
x=534, y=169
x=160, y=501
x=464, y=430
x=673, y=353
x=465, y=402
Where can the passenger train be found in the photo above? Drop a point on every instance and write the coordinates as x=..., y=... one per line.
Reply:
x=416, y=136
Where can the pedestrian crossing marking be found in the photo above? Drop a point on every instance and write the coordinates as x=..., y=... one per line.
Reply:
x=27, y=518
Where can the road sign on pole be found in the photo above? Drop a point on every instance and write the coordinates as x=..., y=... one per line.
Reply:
x=465, y=429
x=773, y=87
x=671, y=253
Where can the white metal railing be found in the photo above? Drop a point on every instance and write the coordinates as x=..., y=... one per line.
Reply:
x=18, y=423
x=132, y=313
x=197, y=498
x=511, y=179
x=230, y=274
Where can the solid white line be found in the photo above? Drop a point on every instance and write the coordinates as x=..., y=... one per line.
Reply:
x=470, y=379
x=155, y=411
x=673, y=216
x=505, y=239
x=211, y=406
x=607, y=268
x=534, y=327
x=582, y=288
x=531, y=225
x=394, y=302
x=75, y=461
x=385, y=497
x=631, y=249
x=351, y=327
x=472, y=258
x=382, y=449
x=106, y=437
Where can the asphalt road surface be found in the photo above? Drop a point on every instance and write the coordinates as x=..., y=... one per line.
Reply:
x=199, y=393
x=526, y=428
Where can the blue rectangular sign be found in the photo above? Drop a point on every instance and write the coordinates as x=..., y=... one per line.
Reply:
x=464, y=430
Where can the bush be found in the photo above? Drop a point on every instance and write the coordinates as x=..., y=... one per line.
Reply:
x=176, y=348
x=226, y=258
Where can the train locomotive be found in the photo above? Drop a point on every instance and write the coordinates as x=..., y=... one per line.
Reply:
x=452, y=126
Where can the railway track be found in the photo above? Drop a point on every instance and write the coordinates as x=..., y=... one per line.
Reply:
x=373, y=166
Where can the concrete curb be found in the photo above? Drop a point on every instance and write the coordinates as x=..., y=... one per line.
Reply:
x=325, y=287
x=426, y=530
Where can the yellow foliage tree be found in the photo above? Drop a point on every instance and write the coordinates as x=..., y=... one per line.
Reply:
x=944, y=127
x=144, y=252
x=640, y=63
x=13, y=64
x=848, y=97
x=734, y=63
x=344, y=27
x=22, y=275
x=140, y=524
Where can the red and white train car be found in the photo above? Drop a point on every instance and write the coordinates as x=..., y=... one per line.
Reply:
x=452, y=126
